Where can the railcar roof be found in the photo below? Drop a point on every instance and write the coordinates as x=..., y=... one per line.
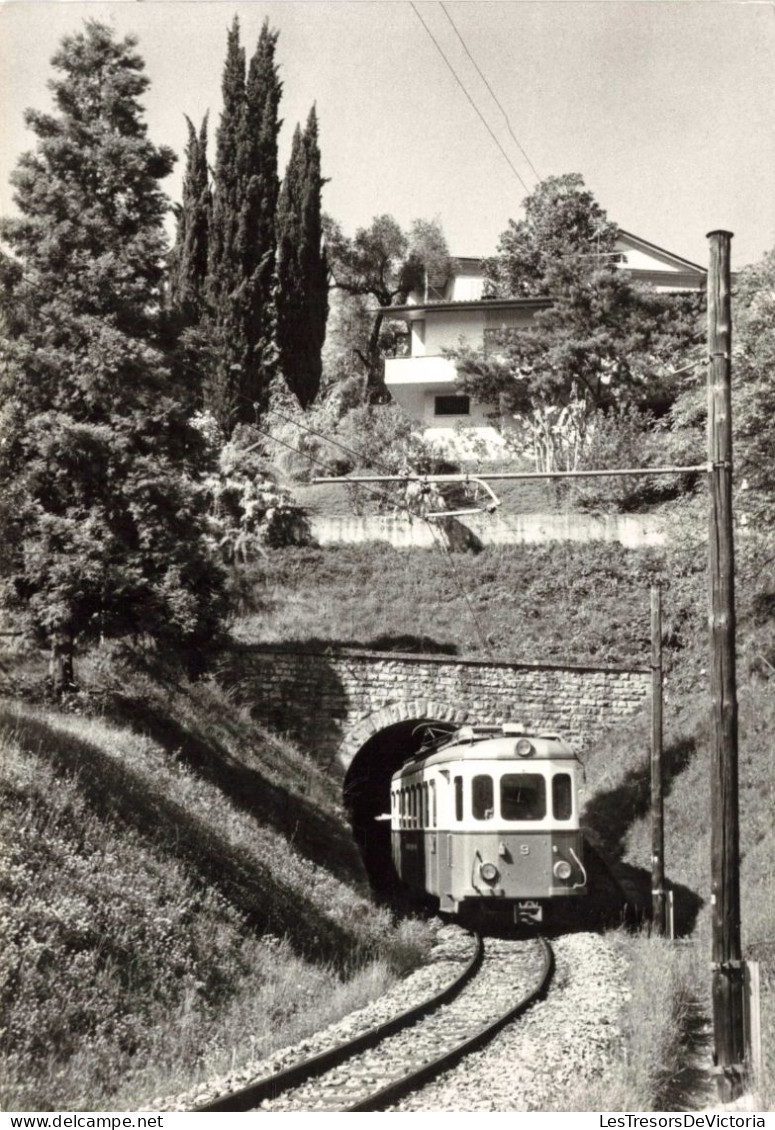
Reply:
x=491, y=744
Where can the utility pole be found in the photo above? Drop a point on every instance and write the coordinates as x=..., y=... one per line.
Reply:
x=726, y=964
x=657, y=802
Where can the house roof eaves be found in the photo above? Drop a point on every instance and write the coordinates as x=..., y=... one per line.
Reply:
x=662, y=251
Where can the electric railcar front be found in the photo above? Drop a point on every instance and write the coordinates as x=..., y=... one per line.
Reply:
x=490, y=817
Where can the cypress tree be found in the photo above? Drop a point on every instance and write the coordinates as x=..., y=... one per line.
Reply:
x=221, y=326
x=257, y=237
x=188, y=261
x=242, y=258
x=302, y=294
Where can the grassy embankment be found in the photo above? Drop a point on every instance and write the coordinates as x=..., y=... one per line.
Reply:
x=591, y=604
x=181, y=894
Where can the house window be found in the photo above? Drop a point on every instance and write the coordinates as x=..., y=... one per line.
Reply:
x=451, y=406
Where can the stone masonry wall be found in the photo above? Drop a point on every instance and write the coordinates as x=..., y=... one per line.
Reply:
x=336, y=700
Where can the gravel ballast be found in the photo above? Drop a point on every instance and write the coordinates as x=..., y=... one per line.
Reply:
x=560, y=1042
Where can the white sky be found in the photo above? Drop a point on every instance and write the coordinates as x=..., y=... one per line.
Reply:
x=666, y=107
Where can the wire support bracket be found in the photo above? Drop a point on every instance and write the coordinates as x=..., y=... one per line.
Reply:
x=732, y=1070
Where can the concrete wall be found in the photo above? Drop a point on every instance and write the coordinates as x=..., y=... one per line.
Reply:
x=337, y=699
x=632, y=531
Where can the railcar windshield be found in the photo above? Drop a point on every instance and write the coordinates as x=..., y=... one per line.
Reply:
x=523, y=796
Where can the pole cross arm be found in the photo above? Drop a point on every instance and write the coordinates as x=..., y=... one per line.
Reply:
x=502, y=476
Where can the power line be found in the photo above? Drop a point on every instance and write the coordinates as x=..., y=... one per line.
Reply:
x=492, y=92
x=369, y=460
x=462, y=86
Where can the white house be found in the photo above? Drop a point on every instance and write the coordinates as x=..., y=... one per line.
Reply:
x=425, y=382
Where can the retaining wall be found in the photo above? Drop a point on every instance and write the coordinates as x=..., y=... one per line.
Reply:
x=630, y=530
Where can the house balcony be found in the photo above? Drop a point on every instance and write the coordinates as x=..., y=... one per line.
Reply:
x=419, y=371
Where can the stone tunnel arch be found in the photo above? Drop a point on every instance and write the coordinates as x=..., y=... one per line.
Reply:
x=371, y=754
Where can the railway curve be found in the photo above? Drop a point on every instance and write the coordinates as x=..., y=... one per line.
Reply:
x=509, y=976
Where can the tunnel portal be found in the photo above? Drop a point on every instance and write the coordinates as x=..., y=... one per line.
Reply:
x=367, y=791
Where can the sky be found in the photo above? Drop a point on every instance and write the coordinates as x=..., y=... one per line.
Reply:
x=664, y=106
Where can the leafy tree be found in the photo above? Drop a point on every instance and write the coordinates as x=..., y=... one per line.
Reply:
x=107, y=539
x=753, y=388
x=600, y=344
x=383, y=265
x=302, y=297
x=753, y=394
x=248, y=511
x=565, y=233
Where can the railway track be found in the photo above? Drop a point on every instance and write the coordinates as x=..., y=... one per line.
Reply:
x=500, y=981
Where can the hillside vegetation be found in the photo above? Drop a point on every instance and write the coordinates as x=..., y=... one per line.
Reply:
x=181, y=891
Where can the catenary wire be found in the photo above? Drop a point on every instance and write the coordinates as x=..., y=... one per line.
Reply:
x=483, y=77
x=462, y=86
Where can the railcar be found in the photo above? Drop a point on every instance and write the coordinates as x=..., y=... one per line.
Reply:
x=487, y=818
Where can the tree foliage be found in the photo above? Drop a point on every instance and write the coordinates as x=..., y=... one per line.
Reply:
x=248, y=511
x=107, y=538
x=565, y=233
x=601, y=343
x=380, y=266
x=753, y=388
x=302, y=296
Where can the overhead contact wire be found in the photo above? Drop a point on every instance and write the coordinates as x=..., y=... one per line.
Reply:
x=495, y=98
x=462, y=86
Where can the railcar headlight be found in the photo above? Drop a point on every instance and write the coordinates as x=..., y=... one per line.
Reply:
x=524, y=748
x=489, y=872
x=562, y=869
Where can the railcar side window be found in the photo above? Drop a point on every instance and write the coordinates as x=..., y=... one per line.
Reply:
x=523, y=796
x=425, y=804
x=458, y=798
x=433, y=804
x=482, y=798
x=562, y=796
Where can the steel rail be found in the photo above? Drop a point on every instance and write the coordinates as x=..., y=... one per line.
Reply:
x=428, y=1071
x=271, y=1086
